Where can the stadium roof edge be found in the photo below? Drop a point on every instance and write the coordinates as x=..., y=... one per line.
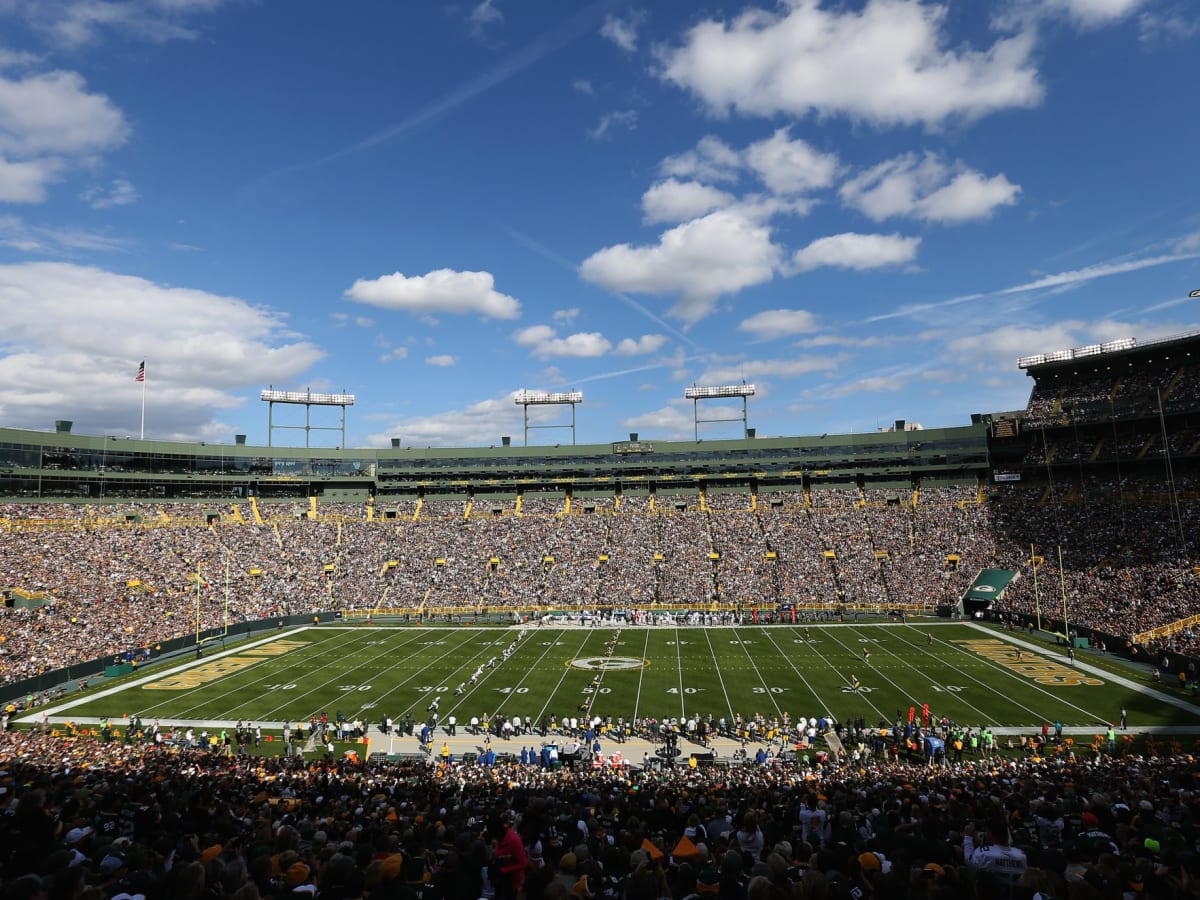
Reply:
x=1082, y=356
x=209, y=448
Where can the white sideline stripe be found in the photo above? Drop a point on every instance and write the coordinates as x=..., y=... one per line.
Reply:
x=156, y=676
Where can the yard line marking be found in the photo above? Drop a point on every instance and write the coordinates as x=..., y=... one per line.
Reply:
x=637, y=701
x=415, y=676
x=108, y=692
x=528, y=672
x=754, y=665
x=561, y=678
x=1027, y=683
x=983, y=717
x=865, y=697
x=821, y=701
x=470, y=692
x=679, y=664
x=168, y=699
x=307, y=674
x=720, y=677
x=869, y=667
x=1094, y=670
x=800, y=674
x=598, y=681
x=981, y=683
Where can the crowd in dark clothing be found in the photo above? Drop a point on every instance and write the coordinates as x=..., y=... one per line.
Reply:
x=84, y=819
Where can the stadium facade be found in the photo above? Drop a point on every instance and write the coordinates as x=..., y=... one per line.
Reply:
x=1123, y=403
x=61, y=465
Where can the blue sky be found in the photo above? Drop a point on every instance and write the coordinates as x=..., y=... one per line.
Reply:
x=867, y=208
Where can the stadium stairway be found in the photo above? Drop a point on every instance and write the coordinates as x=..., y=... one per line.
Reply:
x=835, y=744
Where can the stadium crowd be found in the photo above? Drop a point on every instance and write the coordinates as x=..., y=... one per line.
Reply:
x=84, y=819
x=129, y=577
x=1077, y=397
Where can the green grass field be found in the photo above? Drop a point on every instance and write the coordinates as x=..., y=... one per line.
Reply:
x=970, y=673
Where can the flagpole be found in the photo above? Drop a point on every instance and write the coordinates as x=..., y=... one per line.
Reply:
x=1037, y=599
x=142, y=435
x=199, y=579
x=1063, y=583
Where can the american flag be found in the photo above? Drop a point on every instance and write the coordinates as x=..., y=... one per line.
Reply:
x=141, y=375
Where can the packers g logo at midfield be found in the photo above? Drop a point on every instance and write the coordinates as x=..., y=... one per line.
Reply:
x=607, y=663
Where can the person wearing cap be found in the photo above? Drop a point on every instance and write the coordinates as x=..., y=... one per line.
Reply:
x=567, y=875
x=297, y=879
x=869, y=864
x=1094, y=835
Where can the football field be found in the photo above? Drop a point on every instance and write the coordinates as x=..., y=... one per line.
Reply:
x=972, y=674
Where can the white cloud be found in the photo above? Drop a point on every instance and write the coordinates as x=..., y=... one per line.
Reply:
x=481, y=423
x=440, y=291
x=701, y=260
x=121, y=193
x=583, y=86
x=534, y=335
x=1166, y=26
x=1085, y=14
x=926, y=188
x=48, y=123
x=544, y=342
x=842, y=340
x=710, y=160
x=789, y=166
x=364, y=322
x=1007, y=342
x=647, y=343
x=887, y=63
x=1098, y=12
x=395, y=354
x=53, y=113
x=20, y=235
x=1058, y=280
x=778, y=323
x=943, y=376
x=441, y=359
x=12, y=59
x=622, y=32
x=74, y=335
x=75, y=23
x=485, y=13
x=581, y=345
x=753, y=369
x=857, y=251
x=672, y=423
x=678, y=201
x=566, y=316
x=621, y=118
x=26, y=182
x=870, y=384
x=1189, y=243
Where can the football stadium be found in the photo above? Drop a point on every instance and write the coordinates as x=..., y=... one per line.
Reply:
x=645, y=668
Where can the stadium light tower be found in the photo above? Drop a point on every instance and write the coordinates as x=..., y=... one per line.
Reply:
x=308, y=400
x=526, y=398
x=719, y=392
